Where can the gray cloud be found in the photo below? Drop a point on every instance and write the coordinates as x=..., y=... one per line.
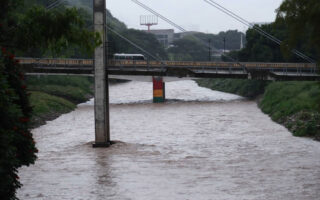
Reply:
x=196, y=15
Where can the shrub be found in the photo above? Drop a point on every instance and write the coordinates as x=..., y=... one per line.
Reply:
x=17, y=146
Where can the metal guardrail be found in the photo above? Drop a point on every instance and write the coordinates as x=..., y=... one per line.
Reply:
x=58, y=61
x=171, y=68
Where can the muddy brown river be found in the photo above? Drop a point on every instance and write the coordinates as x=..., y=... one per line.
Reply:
x=200, y=145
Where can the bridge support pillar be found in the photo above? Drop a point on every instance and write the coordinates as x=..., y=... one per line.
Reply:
x=159, y=92
x=101, y=94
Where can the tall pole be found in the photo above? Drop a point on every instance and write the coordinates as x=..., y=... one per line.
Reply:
x=224, y=44
x=101, y=92
x=209, y=49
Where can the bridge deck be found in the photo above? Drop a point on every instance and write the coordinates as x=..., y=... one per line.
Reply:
x=266, y=71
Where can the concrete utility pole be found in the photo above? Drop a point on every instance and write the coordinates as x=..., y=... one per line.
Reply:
x=101, y=90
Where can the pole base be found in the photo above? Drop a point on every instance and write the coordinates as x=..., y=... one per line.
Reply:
x=101, y=145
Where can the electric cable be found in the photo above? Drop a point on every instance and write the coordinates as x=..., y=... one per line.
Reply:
x=182, y=29
x=257, y=28
x=157, y=58
x=56, y=4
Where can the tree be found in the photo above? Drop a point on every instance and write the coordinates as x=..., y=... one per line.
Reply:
x=260, y=49
x=38, y=31
x=188, y=48
x=195, y=45
x=37, y=28
x=146, y=41
x=302, y=18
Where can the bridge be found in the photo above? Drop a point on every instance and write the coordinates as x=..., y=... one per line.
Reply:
x=101, y=68
x=157, y=70
x=180, y=69
x=122, y=69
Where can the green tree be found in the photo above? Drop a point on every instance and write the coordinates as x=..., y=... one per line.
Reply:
x=145, y=40
x=232, y=39
x=33, y=29
x=37, y=31
x=261, y=49
x=195, y=45
x=188, y=48
x=302, y=18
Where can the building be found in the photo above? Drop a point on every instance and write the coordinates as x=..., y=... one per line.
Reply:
x=167, y=36
x=178, y=36
x=164, y=36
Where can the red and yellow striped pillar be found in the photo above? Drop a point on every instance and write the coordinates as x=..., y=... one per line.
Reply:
x=158, y=90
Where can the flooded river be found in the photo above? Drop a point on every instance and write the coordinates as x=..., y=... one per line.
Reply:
x=200, y=145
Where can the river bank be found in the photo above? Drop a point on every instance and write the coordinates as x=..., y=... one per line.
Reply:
x=292, y=104
x=200, y=144
x=51, y=96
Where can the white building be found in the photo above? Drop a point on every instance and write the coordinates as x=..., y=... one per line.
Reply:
x=164, y=36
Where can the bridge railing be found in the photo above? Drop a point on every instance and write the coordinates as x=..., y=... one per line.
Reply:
x=187, y=64
x=55, y=61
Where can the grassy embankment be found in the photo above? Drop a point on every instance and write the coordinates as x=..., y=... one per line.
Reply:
x=292, y=104
x=55, y=95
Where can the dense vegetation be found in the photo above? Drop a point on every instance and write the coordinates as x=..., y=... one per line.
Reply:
x=261, y=49
x=302, y=18
x=246, y=88
x=17, y=146
x=145, y=40
x=195, y=47
x=54, y=95
x=24, y=30
x=293, y=104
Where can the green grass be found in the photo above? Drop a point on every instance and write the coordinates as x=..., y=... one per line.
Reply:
x=282, y=99
x=74, y=94
x=55, y=95
x=84, y=83
x=77, y=89
x=296, y=105
x=246, y=88
x=43, y=103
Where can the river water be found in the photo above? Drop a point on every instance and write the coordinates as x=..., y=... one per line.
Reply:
x=200, y=145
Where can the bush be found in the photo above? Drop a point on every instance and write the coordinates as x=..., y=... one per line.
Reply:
x=82, y=82
x=17, y=146
x=294, y=104
x=73, y=94
x=282, y=99
x=246, y=88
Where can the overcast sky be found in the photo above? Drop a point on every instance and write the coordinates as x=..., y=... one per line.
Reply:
x=195, y=15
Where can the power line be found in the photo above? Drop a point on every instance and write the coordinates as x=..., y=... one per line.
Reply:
x=257, y=28
x=182, y=29
x=159, y=15
x=135, y=45
x=169, y=21
x=56, y=4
